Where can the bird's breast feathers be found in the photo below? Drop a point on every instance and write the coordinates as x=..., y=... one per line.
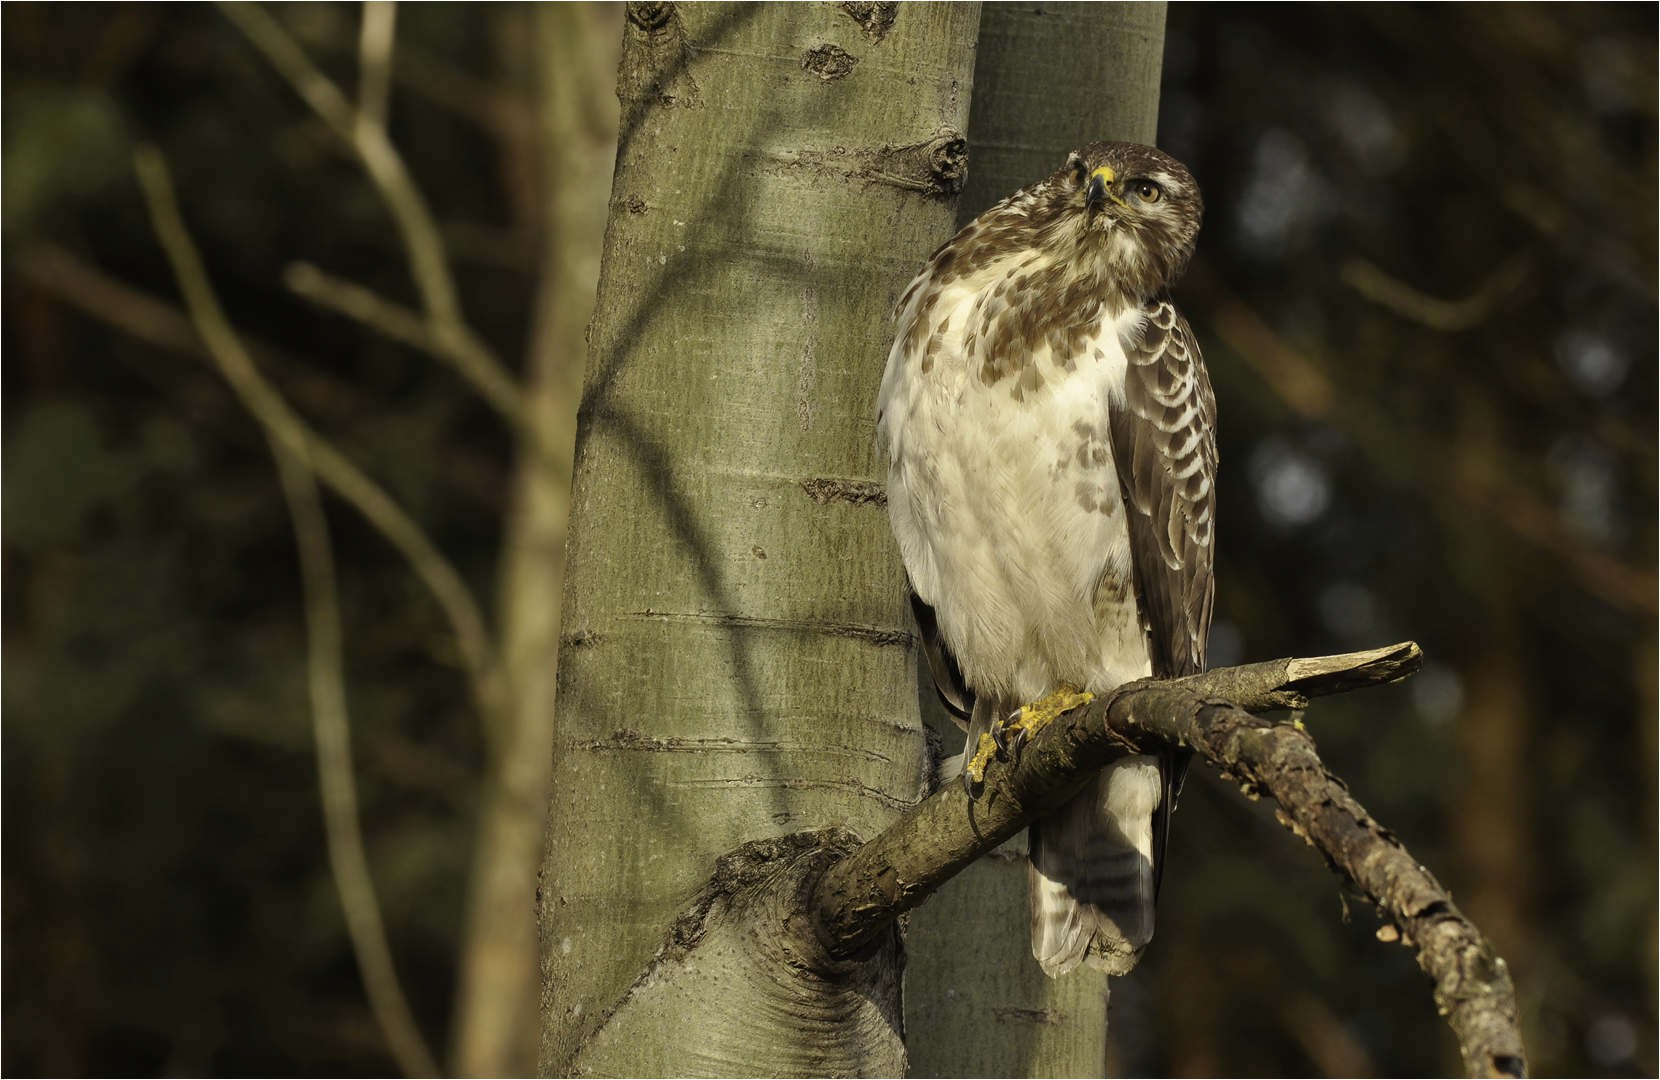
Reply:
x=1002, y=487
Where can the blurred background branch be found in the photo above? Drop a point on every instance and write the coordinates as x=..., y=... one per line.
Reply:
x=335, y=773
x=374, y=63
x=365, y=133
x=291, y=446
x=1445, y=315
x=279, y=419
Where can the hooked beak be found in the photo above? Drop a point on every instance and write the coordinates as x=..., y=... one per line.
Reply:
x=1097, y=192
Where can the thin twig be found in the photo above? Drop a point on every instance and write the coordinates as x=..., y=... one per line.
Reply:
x=158, y=322
x=1309, y=392
x=1449, y=316
x=364, y=305
x=369, y=139
x=465, y=352
x=422, y=239
x=898, y=869
x=140, y=314
x=333, y=468
x=374, y=51
x=331, y=727
x=438, y=79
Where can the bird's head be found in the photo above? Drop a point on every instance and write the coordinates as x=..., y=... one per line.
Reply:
x=1133, y=211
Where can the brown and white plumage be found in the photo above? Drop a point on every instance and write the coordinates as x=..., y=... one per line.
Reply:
x=1050, y=434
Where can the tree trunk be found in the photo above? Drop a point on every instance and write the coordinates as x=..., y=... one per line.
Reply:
x=1048, y=79
x=783, y=170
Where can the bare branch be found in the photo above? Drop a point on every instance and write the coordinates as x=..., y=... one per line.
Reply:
x=362, y=304
x=333, y=468
x=374, y=50
x=898, y=869
x=1300, y=383
x=1633, y=588
x=139, y=314
x=1048, y=773
x=434, y=76
x=151, y=319
x=1288, y=684
x=1449, y=316
x=422, y=238
x=466, y=353
x=1309, y=392
x=291, y=61
x=331, y=727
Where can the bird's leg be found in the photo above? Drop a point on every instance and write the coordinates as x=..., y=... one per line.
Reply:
x=1009, y=735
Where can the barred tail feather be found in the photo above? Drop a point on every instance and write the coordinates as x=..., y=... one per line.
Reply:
x=1091, y=872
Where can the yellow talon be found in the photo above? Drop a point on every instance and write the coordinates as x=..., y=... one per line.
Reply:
x=1038, y=715
x=1022, y=726
x=983, y=753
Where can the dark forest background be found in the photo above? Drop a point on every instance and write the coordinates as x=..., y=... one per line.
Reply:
x=1426, y=290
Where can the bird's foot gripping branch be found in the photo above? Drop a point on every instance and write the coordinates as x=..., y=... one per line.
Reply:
x=1009, y=736
x=811, y=922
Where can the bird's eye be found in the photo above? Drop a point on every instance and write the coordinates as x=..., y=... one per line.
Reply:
x=1148, y=191
x=1077, y=173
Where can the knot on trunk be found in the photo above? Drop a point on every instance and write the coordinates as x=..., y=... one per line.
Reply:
x=874, y=19
x=938, y=166
x=742, y=986
x=828, y=62
x=650, y=15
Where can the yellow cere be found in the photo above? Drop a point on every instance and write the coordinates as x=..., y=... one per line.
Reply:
x=1107, y=176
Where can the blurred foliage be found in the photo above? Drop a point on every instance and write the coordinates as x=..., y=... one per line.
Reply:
x=1445, y=214
x=168, y=903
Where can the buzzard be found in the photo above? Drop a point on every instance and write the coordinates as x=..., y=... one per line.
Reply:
x=1050, y=435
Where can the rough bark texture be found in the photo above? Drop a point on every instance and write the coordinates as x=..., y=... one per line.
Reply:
x=1471, y=982
x=736, y=659
x=1047, y=79
x=895, y=872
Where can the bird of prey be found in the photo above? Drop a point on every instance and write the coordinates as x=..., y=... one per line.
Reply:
x=1050, y=434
